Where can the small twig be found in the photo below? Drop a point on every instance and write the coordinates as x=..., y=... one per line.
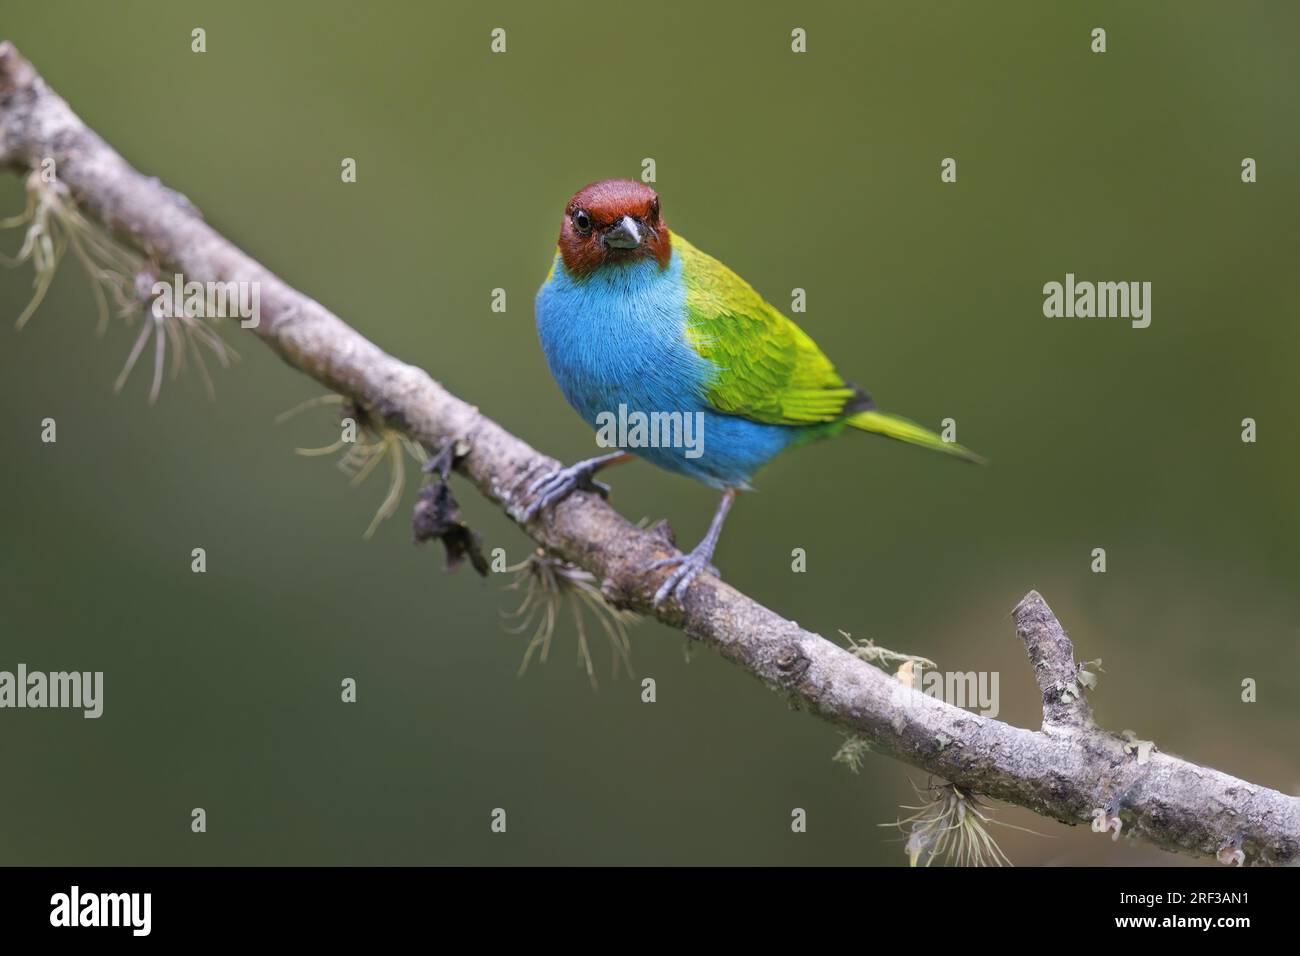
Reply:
x=1052, y=656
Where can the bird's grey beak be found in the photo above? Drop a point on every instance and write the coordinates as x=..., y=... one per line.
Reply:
x=625, y=235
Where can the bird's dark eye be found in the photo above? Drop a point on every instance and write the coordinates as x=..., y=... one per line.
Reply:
x=582, y=221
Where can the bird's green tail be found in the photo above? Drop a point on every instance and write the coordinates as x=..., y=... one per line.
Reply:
x=894, y=426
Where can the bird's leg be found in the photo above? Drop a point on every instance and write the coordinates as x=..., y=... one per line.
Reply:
x=556, y=485
x=688, y=566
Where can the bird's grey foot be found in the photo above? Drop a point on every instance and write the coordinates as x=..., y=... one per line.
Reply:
x=558, y=485
x=686, y=568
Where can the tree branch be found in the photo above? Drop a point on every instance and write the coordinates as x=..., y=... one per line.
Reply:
x=1052, y=656
x=1069, y=771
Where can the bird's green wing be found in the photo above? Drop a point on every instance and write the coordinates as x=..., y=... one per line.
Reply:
x=768, y=369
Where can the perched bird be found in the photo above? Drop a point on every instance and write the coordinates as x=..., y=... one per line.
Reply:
x=636, y=323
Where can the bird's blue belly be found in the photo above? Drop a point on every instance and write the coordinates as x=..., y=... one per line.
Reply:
x=616, y=344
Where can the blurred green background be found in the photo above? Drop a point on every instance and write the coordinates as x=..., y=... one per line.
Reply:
x=819, y=171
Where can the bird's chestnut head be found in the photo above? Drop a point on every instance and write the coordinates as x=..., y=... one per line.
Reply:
x=611, y=222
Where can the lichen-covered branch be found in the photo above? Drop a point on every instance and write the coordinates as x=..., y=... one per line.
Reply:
x=1052, y=656
x=1069, y=771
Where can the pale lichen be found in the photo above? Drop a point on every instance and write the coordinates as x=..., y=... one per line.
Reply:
x=548, y=583
x=950, y=824
x=364, y=446
x=121, y=280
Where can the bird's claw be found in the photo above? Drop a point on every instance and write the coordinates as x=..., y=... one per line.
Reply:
x=556, y=485
x=688, y=568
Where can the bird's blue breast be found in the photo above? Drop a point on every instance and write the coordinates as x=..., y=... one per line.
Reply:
x=616, y=343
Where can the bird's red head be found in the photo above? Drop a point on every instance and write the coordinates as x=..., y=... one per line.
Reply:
x=613, y=221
